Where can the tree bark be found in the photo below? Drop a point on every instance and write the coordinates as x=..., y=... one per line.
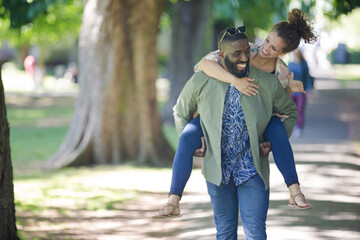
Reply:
x=191, y=39
x=7, y=207
x=116, y=117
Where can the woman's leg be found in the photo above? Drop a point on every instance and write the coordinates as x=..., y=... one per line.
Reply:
x=189, y=141
x=275, y=132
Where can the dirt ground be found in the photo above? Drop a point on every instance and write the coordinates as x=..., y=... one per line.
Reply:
x=328, y=166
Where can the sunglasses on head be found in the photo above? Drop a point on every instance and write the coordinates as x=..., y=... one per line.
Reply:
x=232, y=32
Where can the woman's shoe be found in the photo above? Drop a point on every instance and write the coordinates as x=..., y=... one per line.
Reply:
x=164, y=213
x=292, y=202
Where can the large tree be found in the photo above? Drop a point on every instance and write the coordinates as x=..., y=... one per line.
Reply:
x=191, y=38
x=7, y=207
x=116, y=117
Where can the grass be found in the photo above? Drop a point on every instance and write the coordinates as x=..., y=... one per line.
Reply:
x=30, y=145
x=52, y=201
x=36, y=131
x=70, y=189
x=37, y=128
x=347, y=72
x=38, y=125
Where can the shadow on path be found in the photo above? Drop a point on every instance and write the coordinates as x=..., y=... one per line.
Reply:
x=328, y=168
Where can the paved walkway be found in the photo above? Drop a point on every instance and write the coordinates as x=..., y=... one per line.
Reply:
x=328, y=165
x=328, y=168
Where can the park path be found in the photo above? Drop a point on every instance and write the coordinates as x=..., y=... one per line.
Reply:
x=328, y=165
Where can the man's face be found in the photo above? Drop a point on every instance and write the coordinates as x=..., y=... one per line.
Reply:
x=237, y=57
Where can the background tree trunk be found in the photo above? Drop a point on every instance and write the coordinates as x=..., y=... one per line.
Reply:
x=191, y=39
x=7, y=207
x=116, y=117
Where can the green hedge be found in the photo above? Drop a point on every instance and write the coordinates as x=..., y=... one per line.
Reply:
x=353, y=56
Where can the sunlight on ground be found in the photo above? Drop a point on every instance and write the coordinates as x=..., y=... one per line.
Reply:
x=108, y=202
x=15, y=80
x=348, y=71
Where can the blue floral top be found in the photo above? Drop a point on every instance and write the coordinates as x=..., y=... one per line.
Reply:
x=236, y=157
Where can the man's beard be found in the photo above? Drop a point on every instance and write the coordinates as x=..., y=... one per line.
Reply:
x=232, y=68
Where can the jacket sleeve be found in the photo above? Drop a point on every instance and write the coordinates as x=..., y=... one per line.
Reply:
x=283, y=104
x=186, y=104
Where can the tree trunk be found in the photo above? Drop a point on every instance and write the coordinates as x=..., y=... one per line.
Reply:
x=116, y=117
x=7, y=207
x=191, y=39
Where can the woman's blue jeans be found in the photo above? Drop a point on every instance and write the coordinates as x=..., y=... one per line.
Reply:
x=253, y=201
x=190, y=140
x=275, y=133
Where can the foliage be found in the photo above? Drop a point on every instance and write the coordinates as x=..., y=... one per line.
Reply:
x=263, y=14
x=252, y=14
x=24, y=12
x=346, y=28
x=342, y=7
x=352, y=56
x=39, y=22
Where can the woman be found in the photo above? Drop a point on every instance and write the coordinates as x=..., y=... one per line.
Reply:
x=301, y=72
x=283, y=38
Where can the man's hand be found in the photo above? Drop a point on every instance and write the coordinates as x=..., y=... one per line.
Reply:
x=265, y=148
x=201, y=151
x=245, y=86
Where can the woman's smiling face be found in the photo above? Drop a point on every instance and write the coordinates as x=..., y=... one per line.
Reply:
x=272, y=46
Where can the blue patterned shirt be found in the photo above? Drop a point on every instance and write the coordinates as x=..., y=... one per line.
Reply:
x=236, y=159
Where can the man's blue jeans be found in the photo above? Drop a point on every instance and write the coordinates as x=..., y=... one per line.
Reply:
x=253, y=201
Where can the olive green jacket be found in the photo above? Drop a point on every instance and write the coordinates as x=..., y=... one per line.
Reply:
x=207, y=96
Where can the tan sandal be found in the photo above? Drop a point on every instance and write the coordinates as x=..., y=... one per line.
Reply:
x=292, y=202
x=174, y=213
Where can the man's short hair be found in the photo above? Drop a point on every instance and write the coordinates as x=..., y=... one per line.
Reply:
x=230, y=35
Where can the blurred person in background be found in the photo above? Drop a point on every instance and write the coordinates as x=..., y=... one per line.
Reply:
x=29, y=65
x=301, y=73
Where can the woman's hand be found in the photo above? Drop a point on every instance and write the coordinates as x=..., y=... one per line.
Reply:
x=281, y=116
x=295, y=85
x=245, y=86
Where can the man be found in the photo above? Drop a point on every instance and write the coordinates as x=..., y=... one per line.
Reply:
x=232, y=124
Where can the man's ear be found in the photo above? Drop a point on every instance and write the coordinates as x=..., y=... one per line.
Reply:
x=221, y=54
